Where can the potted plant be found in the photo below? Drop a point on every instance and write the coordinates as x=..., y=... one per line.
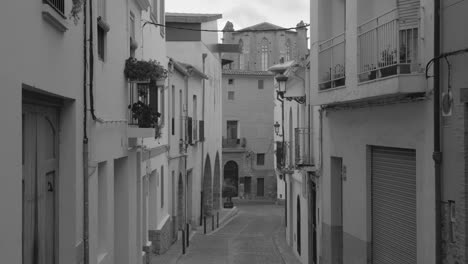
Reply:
x=147, y=118
x=229, y=191
x=388, y=64
x=140, y=70
x=338, y=75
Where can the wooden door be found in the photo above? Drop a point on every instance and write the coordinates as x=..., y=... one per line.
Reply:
x=40, y=180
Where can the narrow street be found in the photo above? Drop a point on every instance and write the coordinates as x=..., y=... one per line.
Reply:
x=247, y=238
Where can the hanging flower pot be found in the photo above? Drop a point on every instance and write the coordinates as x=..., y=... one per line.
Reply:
x=140, y=70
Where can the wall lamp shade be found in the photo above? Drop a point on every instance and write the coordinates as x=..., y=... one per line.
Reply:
x=276, y=126
x=281, y=79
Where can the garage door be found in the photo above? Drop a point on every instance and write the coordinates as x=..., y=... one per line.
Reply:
x=393, y=205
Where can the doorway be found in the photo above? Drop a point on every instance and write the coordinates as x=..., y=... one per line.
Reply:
x=298, y=224
x=337, y=208
x=40, y=183
x=248, y=185
x=313, y=222
x=260, y=187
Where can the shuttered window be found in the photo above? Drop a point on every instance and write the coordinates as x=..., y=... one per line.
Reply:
x=393, y=205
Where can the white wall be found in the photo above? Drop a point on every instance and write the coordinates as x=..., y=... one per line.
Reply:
x=33, y=43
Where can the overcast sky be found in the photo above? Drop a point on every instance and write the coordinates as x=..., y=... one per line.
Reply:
x=244, y=13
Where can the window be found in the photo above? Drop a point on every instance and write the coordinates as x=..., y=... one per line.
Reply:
x=58, y=5
x=195, y=118
x=162, y=186
x=132, y=34
x=288, y=50
x=173, y=109
x=230, y=95
x=260, y=84
x=101, y=39
x=162, y=104
x=102, y=29
x=264, y=54
x=232, y=129
x=231, y=81
x=261, y=159
x=241, y=55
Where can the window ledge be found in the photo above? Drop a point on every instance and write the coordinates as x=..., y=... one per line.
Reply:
x=54, y=18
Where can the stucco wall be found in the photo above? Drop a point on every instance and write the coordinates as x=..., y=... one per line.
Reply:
x=347, y=134
x=455, y=142
x=24, y=55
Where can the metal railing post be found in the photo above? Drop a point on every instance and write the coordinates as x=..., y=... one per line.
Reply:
x=188, y=234
x=204, y=225
x=183, y=242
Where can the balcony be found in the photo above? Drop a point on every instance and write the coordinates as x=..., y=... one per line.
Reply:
x=332, y=63
x=234, y=142
x=387, y=46
x=142, y=118
x=303, y=147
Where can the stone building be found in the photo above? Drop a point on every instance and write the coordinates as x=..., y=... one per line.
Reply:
x=248, y=104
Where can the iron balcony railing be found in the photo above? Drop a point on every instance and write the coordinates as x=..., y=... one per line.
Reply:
x=332, y=62
x=303, y=146
x=142, y=102
x=387, y=46
x=58, y=5
x=234, y=142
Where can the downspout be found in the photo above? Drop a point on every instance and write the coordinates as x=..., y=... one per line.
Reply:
x=204, y=55
x=437, y=155
x=85, y=144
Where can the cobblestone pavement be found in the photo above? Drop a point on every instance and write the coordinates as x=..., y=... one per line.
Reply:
x=248, y=238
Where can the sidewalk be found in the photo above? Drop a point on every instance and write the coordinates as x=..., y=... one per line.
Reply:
x=284, y=249
x=175, y=251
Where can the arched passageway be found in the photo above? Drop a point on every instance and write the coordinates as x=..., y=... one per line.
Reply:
x=231, y=175
x=217, y=184
x=207, y=188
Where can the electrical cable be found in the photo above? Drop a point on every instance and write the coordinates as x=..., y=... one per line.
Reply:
x=225, y=31
x=443, y=55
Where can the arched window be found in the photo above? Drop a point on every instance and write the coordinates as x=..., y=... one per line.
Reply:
x=264, y=54
x=241, y=55
x=288, y=50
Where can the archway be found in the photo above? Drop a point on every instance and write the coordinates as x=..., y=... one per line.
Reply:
x=231, y=175
x=217, y=184
x=207, y=188
x=298, y=225
x=180, y=202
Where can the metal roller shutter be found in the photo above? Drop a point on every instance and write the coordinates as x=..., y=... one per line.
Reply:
x=393, y=205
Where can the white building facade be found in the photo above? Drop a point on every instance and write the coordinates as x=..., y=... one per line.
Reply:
x=374, y=167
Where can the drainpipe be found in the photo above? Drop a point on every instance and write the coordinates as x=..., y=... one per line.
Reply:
x=437, y=155
x=204, y=55
x=85, y=143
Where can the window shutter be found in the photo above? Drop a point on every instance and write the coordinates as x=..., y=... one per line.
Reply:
x=189, y=130
x=279, y=154
x=153, y=97
x=202, y=130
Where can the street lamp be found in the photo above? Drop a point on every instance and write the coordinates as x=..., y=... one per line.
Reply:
x=277, y=126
